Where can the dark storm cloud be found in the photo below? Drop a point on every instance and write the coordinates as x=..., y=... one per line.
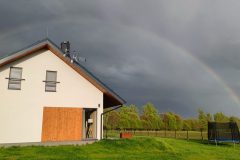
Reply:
x=180, y=55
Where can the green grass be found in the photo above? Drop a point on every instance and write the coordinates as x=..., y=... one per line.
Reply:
x=137, y=148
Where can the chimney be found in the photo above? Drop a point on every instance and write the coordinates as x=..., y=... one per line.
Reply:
x=65, y=46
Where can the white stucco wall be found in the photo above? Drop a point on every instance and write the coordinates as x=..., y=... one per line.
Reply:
x=21, y=110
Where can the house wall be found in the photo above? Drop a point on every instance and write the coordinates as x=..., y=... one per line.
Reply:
x=21, y=111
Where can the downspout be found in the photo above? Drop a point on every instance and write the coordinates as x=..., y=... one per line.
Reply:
x=102, y=118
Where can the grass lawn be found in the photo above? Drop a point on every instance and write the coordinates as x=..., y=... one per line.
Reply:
x=136, y=148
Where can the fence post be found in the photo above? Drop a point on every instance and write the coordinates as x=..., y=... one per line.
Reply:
x=175, y=133
x=187, y=135
x=165, y=133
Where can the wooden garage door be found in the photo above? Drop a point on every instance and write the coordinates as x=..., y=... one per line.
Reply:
x=61, y=124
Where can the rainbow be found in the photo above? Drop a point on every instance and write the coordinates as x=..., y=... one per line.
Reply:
x=233, y=95
x=211, y=72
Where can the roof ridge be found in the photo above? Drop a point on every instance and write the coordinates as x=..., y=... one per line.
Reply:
x=24, y=48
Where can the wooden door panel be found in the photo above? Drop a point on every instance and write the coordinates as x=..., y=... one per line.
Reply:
x=61, y=124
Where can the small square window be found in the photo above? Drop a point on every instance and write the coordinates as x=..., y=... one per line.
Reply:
x=15, y=78
x=51, y=81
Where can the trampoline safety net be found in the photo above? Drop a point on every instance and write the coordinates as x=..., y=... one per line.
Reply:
x=224, y=132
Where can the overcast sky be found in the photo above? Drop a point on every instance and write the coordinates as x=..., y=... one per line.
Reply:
x=181, y=55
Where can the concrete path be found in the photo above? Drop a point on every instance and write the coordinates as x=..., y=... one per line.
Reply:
x=79, y=143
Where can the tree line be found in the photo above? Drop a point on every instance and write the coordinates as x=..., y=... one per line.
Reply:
x=129, y=118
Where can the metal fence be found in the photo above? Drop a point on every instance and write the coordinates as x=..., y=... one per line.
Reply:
x=198, y=135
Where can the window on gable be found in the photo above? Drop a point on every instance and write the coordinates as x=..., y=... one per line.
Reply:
x=15, y=78
x=51, y=81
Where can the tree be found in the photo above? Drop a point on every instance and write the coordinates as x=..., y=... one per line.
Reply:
x=124, y=119
x=112, y=120
x=129, y=117
x=171, y=121
x=209, y=117
x=187, y=125
x=235, y=119
x=179, y=122
x=134, y=120
x=203, y=120
x=145, y=124
x=220, y=117
x=150, y=118
x=195, y=126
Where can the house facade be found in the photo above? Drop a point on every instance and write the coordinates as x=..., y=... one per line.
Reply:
x=45, y=96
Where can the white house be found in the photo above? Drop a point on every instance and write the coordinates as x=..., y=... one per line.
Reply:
x=44, y=96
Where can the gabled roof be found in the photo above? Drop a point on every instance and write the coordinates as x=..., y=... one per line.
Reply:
x=110, y=97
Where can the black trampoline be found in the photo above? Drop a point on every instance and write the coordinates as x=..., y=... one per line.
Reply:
x=223, y=132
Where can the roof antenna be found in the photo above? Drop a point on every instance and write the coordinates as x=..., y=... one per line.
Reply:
x=77, y=58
